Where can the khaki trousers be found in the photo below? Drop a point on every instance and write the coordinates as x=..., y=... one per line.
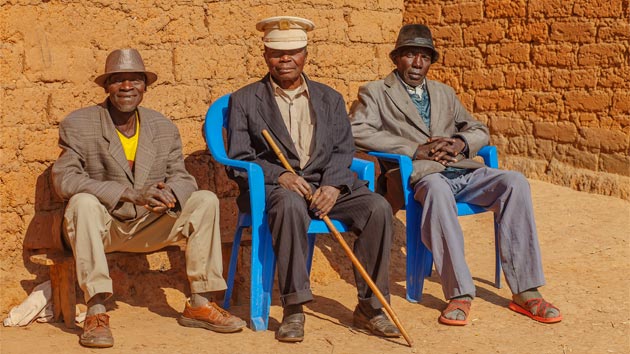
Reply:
x=92, y=232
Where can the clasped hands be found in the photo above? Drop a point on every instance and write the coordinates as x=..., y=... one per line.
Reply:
x=322, y=201
x=440, y=149
x=157, y=198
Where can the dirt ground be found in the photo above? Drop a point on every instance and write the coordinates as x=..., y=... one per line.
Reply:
x=584, y=240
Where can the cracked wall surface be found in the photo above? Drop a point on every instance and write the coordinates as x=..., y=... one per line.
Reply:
x=50, y=52
x=551, y=78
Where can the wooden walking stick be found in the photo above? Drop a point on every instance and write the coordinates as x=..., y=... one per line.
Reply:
x=344, y=245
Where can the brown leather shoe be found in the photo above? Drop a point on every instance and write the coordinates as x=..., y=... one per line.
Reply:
x=96, y=332
x=210, y=316
x=375, y=321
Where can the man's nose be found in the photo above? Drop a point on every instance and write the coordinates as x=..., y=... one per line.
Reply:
x=126, y=85
x=417, y=60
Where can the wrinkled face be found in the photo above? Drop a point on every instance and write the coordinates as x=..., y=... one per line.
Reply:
x=412, y=64
x=285, y=66
x=125, y=90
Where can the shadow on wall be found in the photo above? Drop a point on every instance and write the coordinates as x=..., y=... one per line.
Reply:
x=43, y=233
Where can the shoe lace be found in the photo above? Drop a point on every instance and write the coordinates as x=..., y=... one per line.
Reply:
x=223, y=312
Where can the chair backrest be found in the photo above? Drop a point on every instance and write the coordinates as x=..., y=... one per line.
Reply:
x=216, y=121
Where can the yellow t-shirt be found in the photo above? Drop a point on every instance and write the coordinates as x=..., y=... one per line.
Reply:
x=130, y=145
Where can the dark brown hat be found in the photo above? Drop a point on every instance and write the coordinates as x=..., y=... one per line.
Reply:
x=124, y=61
x=415, y=35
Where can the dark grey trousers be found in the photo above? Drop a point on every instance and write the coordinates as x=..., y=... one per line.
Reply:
x=508, y=195
x=367, y=213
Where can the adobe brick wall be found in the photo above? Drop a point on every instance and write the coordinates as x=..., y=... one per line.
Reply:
x=551, y=78
x=51, y=50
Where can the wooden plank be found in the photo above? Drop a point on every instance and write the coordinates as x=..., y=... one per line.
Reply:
x=52, y=258
x=68, y=293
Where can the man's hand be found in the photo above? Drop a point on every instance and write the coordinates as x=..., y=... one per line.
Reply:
x=295, y=183
x=441, y=149
x=157, y=197
x=323, y=200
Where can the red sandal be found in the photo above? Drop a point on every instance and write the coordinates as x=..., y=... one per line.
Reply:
x=540, y=306
x=456, y=304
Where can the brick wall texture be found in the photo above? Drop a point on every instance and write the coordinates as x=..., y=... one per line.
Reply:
x=549, y=77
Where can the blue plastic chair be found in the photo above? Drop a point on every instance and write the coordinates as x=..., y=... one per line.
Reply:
x=419, y=258
x=263, y=260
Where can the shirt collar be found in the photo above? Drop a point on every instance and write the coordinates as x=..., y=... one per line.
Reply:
x=279, y=91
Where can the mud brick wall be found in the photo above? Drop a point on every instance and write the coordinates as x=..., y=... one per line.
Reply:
x=551, y=78
x=50, y=51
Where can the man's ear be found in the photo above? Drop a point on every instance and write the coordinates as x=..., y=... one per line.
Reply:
x=392, y=56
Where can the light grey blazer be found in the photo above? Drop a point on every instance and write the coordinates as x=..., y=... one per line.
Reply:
x=93, y=161
x=385, y=119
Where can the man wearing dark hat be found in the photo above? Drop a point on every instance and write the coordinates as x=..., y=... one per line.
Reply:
x=309, y=123
x=122, y=173
x=408, y=114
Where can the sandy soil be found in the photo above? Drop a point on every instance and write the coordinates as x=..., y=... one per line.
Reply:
x=584, y=240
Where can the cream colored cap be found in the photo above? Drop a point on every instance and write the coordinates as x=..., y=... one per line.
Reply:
x=285, y=32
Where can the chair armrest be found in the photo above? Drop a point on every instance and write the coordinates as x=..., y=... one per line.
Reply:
x=255, y=181
x=364, y=170
x=404, y=163
x=406, y=167
x=489, y=155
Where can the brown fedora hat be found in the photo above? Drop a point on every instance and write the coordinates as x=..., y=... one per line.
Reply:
x=415, y=35
x=126, y=60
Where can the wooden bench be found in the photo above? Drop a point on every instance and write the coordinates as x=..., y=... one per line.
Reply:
x=63, y=278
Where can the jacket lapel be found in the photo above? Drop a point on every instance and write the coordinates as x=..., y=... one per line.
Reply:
x=145, y=154
x=270, y=113
x=439, y=123
x=115, y=147
x=399, y=96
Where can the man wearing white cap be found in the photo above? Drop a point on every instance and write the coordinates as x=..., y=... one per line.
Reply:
x=308, y=121
x=122, y=173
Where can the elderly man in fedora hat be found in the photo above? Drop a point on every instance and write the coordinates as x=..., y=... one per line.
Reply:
x=408, y=114
x=122, y=173
x=308, y=121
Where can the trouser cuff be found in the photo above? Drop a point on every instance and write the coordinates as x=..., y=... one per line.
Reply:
x=373, y=301
x=204, y=286
x=296, y=298
x=100, y=287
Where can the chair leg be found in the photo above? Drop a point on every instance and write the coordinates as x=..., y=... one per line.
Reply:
x=311, y=250
x=415, y=259
x=63, y=280
x=497, y=257
x=232, y=267
x=262, y=274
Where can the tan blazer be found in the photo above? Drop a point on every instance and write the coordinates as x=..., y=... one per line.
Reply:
x=93, y=161
x=385, y=119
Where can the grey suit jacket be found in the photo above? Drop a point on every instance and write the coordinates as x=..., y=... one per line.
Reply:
x=254, y=108
x=93, y=161
x=385, y=119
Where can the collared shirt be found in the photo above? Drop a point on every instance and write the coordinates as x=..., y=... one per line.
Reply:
x=420, y=98
x=130, y=144
x=298, y=117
